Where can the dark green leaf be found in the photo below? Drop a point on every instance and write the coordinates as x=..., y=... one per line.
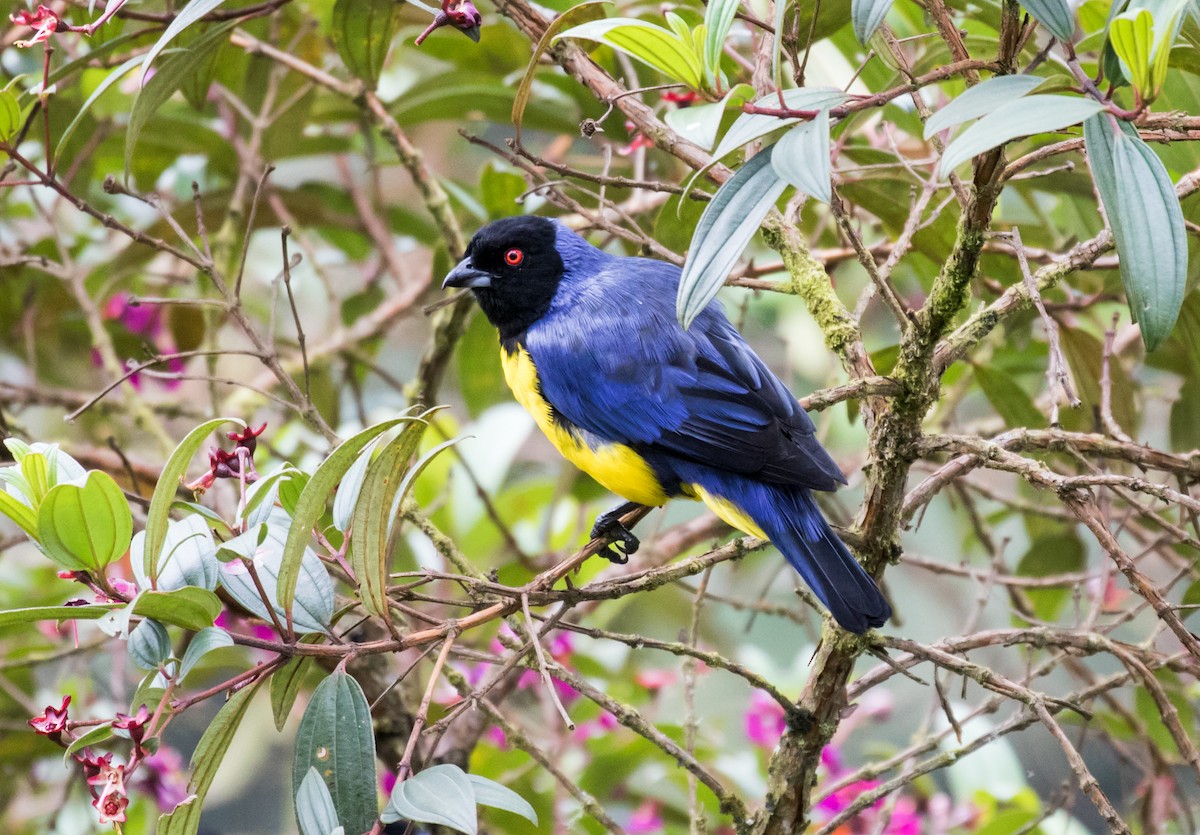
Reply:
x=1051, y=555
x=1147, y=224
x=725, y=229
x=285, y=686
x=59, y=613
x=335, y=738
x=362, y=32
x=1008, y=399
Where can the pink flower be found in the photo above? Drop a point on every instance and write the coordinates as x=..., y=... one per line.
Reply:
x=498, y=737
x=638, y=140
x=646, y=819
x=135, y=725
x=44, y=22
x=654, y=679
x=765, y=720
x=162, y=776
x=111, y=807
x=52, y=722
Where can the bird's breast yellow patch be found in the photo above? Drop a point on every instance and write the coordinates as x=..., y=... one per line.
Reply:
x=617, y=467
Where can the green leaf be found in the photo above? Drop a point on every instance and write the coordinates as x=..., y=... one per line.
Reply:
x=725, y=229
x=490, y=793
x=314, y=806
x=362, y=32
x=1008, y=399
x=1147, y=224
x=36, y=470
x=718, y=18
x=19, y=512
x=1085, y=356
x=190, y=607
x=1055, y=15
x=1132, y=37
x=700, y=123
x=189, y=556
x=149, y=645
x=190, y=13
x=981, y=100
x=1191, y=600
x=1023, y=117
x=202, y=643
x=206, y=761
x=163, y=84
x=285, y=686
x=648, y=43
x=94, y=736
x=801, y=157
x=312, y=606
x=38, y=613
x=157, y=517
x=583, y=13
x=311, y=504
x=10, y=115
x=84, y=528
x=441, y=795
x=335, y=738
x=866, y=15
x=377, y=505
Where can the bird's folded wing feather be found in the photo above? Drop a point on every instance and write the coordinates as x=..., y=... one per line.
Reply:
x=618, y=365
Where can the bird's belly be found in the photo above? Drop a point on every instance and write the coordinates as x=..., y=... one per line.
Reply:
x=616, y=467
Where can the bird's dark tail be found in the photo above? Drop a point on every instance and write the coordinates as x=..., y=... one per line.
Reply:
x=790, y=518
x=794, y=524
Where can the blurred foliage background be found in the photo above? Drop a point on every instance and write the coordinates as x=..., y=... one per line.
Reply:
x=147, y=226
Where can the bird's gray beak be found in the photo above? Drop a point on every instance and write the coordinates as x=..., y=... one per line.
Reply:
x=467, y=275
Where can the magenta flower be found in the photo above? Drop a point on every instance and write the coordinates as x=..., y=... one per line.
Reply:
x=765, y=720
x=144, y=321
x=647, y=819
x=44, y=22
x=135, y=725
x=52, y=722
x=162, y=776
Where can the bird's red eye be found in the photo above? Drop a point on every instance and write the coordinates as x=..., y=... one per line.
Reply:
x=514, y=257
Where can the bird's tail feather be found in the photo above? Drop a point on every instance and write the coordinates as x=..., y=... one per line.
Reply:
x=800, y=532
x=790, y=518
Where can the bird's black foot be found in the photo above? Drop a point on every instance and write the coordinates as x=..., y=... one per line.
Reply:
x=608, y=526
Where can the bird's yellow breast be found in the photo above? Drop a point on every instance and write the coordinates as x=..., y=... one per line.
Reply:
x=617, y=467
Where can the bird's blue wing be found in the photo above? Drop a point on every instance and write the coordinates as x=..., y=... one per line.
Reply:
x=613, y=360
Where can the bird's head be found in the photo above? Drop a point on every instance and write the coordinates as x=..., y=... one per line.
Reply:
x=514, y=268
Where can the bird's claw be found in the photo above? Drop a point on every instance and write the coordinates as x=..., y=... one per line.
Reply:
x=623, y=542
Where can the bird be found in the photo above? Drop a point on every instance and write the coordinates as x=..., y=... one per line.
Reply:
x=590, y=345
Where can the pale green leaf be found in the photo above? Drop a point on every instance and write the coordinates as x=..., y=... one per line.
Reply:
x=981, y=100
x=866, y=16
x=85, y=527
x=190, y=13
x=440, y=795
x=801, y=157
x=648, y=43
x=1055, y=15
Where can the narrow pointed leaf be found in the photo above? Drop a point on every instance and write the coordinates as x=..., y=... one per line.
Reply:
x=158, y=516
x=648, y=43
x=84, y=527
x=190, y=13
x=866, y=15
x=718, y=18
x=335, y=738
x=1132, y=37
x=1023, y=117
x=582, y=13
x=493, y=794
x=20, y=513
x=1055, y=15
x=801, y=158
x=726, y=227
x=370, y=543
x=163, y=84
x=285, y=686
x=1147, y=223
x=981, y=100
x=311, y=504
x=206, y=760
x=59, y=613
